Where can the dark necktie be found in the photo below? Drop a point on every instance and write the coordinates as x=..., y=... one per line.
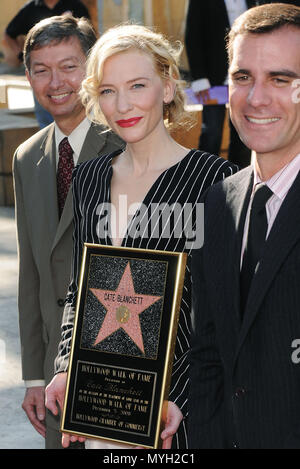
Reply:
x=257, y=232
x=64, y=172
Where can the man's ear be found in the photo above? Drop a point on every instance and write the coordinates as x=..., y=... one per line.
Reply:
x=28, y=76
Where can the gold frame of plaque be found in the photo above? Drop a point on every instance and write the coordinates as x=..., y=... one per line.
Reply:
x=123, y=344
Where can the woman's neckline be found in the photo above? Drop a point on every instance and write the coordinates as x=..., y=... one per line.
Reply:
x=157, y=180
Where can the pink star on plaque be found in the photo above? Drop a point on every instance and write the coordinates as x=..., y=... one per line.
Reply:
x=123, y=309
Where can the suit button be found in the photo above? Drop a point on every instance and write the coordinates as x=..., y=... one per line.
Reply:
x=239, y=392
x=61, y=302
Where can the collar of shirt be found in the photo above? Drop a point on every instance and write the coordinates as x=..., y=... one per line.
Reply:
x=282, y=181
x=76, y=138
x=280, y=184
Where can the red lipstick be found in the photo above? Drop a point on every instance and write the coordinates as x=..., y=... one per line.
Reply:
x=128, y=122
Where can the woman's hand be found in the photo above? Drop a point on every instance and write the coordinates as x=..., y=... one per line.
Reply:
x=172, y=419
x=55, y=393
x=67, y=439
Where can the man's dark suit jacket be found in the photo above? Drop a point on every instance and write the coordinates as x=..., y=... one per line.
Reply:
x=206, y=27
x=245, y=385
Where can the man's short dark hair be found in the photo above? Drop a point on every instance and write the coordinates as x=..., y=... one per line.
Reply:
x=56, y=29
x=264, y=19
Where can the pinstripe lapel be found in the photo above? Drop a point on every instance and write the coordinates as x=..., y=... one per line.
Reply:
x=223, y=265
x=47, y=192
x=283, y=236
x=91, y=148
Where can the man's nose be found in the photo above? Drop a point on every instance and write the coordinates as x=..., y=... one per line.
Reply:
x=56, y=79
x=259, y=95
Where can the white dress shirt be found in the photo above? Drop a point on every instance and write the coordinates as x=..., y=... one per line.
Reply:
x=279, y=184
x=76, y=138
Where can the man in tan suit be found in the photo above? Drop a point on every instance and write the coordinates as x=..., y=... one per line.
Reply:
x=55, y=56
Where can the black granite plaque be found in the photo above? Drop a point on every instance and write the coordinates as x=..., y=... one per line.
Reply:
x=123, y=343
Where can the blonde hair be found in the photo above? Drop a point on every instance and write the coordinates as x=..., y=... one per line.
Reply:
x=165, y=57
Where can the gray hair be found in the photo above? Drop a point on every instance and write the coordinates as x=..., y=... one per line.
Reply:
x=56, y=29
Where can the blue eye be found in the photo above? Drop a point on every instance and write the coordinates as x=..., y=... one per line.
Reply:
x=105, y=91
x=138, y=85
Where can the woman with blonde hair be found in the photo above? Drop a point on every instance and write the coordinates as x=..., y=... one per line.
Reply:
x=133, y=85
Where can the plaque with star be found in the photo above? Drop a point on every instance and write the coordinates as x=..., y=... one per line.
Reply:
x=123, y=343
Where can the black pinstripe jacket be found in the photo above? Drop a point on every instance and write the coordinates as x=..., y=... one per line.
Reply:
x=180, y=186
x=245, y=375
